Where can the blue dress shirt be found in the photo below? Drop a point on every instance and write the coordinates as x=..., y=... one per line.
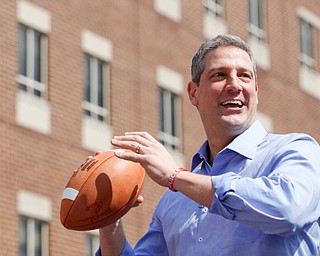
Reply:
x=267, y=202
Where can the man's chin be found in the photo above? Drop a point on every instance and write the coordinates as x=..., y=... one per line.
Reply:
x=238, y=125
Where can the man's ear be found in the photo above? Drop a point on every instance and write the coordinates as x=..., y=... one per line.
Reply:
x=257, y=89
x=192, y=92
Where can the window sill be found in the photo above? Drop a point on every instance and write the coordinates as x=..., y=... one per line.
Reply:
x=33, y=112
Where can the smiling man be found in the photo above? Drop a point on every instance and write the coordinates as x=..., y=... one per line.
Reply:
x=249, y=192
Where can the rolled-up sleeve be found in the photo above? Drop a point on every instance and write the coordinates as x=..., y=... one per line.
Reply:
x=275, y=203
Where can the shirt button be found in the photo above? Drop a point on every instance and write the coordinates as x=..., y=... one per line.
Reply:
x=205, y=209
x=200, y=239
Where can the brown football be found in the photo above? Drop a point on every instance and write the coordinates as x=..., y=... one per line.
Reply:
x=100, y=191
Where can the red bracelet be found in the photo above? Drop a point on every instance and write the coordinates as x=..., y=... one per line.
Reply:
x=173, y=177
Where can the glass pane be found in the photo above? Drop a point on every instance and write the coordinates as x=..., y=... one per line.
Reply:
x=23, y=237
x=253, y=14
x=23, y=87
x=260, y=14
x=23, y=50
x=37, y=56
x=173, y=111
x=87, y=78
x=100, y=84
x=162, y=115
x=306, y=38
x=37, y=237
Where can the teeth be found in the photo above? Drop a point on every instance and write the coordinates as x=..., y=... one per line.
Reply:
x=232, y=102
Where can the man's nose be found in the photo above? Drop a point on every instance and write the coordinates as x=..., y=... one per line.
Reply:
x=233, y=84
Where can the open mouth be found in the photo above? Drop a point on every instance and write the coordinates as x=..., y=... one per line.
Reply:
x=233, y=104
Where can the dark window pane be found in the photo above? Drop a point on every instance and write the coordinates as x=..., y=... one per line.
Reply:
x=87, y=78
x=37, y=248
x=23, y=50
x=306, y=39
x=162, y=115
x=100, y=84
x=37, y=56
x=23, y=237
x=173, y=128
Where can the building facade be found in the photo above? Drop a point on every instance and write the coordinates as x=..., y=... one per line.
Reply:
x=75, y=73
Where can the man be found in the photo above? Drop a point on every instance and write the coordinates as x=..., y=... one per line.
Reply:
x=248, y=193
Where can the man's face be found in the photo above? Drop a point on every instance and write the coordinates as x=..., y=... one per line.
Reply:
x=227, y=95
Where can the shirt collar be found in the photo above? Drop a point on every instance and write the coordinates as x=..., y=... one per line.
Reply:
x=245, y=144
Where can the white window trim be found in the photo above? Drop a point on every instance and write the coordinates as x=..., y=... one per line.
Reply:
x=308, y=16
x=261, y=52
x=169, y=8
x=34, y=205
x=213, y=26
x=33, y=16
x=96, y=45
x=309, y=81
x=33, y=112
x=169, y=79
x=95, y=134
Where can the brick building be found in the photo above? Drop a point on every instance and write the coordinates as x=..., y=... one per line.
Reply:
x=74, y=73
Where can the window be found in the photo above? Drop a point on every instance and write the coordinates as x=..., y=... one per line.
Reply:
x=32, y=76
x=214, y=7
x=33, y=240
x=306, y=44
x=34, y=215
x=170, y=89
x=256, y=24
x=92, y=243
x=96, y=88
x=213, y=18
x=170, y=116
x=96, y=124
x=33, y=109
x=309, y=76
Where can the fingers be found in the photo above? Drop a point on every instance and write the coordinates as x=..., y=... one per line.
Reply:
x=134, y=141
x=139, y=201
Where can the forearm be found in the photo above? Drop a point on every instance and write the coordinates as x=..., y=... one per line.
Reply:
x=195, y=186
x=112, y=239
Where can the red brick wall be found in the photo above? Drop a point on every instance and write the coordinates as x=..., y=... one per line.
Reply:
x=142, y=39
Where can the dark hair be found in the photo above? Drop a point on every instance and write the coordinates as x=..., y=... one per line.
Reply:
x=198, y=62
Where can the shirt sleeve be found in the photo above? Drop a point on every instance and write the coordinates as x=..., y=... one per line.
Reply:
x=127, y=250
x=279, y=203
x=153, y=242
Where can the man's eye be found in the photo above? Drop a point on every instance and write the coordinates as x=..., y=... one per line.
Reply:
x=246, y=76
x=219, y=75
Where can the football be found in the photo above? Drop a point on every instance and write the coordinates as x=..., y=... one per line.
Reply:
x=100, y=191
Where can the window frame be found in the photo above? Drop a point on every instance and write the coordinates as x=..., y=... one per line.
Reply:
x=91, y=106
x=256, y=25
x=30, y=236
x=28, y=82
x=307, y=48
x=214, y=7
x=170, y=119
